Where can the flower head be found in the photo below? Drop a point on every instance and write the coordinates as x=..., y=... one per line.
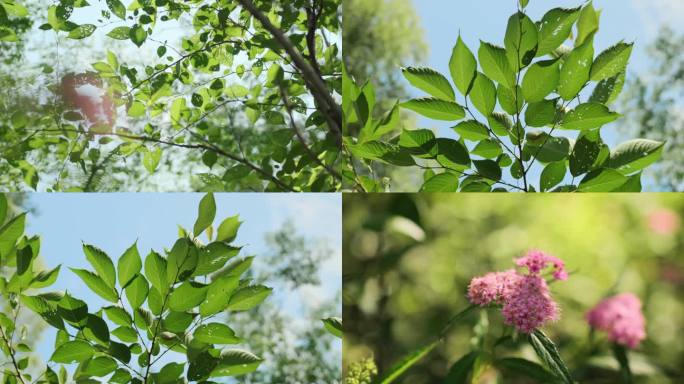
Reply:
x=494, y=287
x=530, y=305
x=620, y=316
x=536, y=261
x=525, y=297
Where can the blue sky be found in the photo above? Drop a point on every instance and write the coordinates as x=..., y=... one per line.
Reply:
x=629, y=20
x=114, y=221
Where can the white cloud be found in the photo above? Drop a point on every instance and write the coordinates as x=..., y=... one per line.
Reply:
x=655, y=13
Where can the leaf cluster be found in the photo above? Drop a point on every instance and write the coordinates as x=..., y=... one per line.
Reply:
x=518, y=103
x=163, y=302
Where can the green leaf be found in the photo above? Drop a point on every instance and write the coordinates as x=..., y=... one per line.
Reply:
x=275, y=75
x=556, y=26
x=137, y=35
x=588, y=116
x=430, y=81
x=587, y=24
x=121, y=376
x=546, y=148
x=406, y=362
x=462, y=66
x=213, y=257
x=452, y=154
x=235, y=362
x=488, y=149
x=608, y=90
x=96, y=284
x=119, y=351
x=541, y=113
x=218, y=294
x=228, y=229
x=7, y=34
x=540, y=80
x=118, y=316
x=117, y=8
x=483, y=94
x=527, y=368
x=418, y=141
x=43, y=308
x=216, y=333
x=548, y=353
x=584, y=154
x=181, y=262
x=82, y=31
x=334, y=326
x=380, y=151
x=14, y=8
x=45, y=278
x=197, y=100
x=611, y=62
x=120, y=33
x=177, y=322
x=151, y=159
x=130, y=264
x=248, y=297
x=201, y=366
x=521, y=41
x=508, y=100
x=575, y=71
x=460, y=370
x=96, y=329
x=170, y=373
x=137, y=290
x=10, y=233
x=635, y=155
x=187, y=296
x=494, y=63
x=98, y=367
x=435, y=109
x=206, y=214
x=24, y=257
x=602, y=180
x=552, y=175
x=125, y=334
x=472, y=130
x=488, y=168
x=72, y=352
x=102, y=263
x=155, y=270
x=443, y=182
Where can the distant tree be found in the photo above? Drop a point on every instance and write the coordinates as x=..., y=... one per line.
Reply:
x=295, y=350
x=378, y=30
x=654, y=107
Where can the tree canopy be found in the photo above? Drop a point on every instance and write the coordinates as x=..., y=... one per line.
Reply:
x=242, y=96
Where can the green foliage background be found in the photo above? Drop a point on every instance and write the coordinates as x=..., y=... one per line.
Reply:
x=407, y=261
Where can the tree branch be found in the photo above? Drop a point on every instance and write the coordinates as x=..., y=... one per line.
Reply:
x=12, y=352
x=302, y=140
x=313, y=81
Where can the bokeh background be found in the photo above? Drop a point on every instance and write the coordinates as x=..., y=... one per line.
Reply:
x=408, y=259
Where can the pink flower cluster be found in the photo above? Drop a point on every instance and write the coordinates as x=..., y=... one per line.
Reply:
x=620, y=316
x=535, y=262
x=525, y=298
